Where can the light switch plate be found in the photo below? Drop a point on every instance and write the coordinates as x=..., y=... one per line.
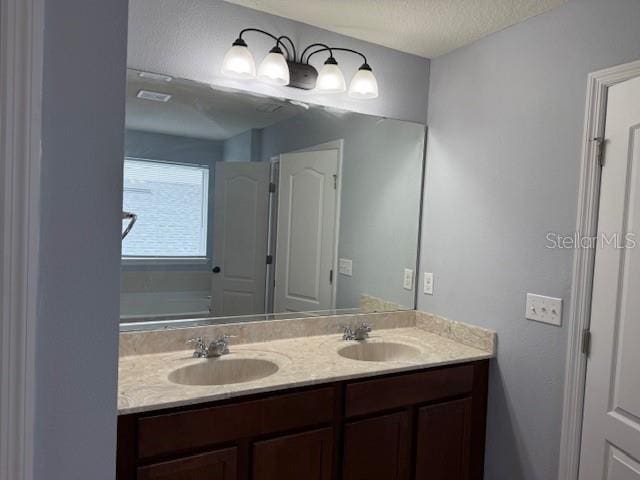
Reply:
x=345, y=267
x=427, y=286
x=408, y=279
x=544, y=309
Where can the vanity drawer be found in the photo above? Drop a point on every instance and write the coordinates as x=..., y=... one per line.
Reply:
x=387, y=393
x=207, y=426
x=216, y=465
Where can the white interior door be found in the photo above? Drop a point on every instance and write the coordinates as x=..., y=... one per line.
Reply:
x=306, y=231
x=611, y=427
x=241, y=201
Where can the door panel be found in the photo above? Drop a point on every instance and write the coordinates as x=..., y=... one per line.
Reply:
x=378, y=448
x=217, y=465
x=621, y=466
x=444, y=441
x=240, y=238
x=306, y=230
x=611, y=429
x=307, y=456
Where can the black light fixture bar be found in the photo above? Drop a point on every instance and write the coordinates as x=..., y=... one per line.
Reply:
x=279, y=41
x=330, y=50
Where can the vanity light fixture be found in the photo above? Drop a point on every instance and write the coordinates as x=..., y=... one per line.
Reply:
x=238, y=62
x=282, y=66
x=363, y=84
x=274, y=68
x=330, y=78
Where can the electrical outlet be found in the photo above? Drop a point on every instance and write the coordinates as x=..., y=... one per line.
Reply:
x=427, y=286
x=544, y=309
x=345, y=267
x=408, y=279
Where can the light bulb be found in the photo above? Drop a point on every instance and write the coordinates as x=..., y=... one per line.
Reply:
x=274, y=68
x=330, y=78
x=238, y=61
x=364, y=84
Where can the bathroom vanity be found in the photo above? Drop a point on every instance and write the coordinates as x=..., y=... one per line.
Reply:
x=407, y=403
x=284, y=226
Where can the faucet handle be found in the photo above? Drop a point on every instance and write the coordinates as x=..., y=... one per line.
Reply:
x=200, y=345
x=220, y=346
x=347, y=332
x=365, y=326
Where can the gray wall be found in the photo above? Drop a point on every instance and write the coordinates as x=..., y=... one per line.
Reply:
x=188, y=38
x=172, y=148
x=244, y=147
x=505, y=123
x=77, y=327
x=380, y=198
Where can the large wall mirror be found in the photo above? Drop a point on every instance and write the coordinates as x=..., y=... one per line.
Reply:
x=251, y=207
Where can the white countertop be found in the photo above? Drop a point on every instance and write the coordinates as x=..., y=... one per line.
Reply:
x=144, y=385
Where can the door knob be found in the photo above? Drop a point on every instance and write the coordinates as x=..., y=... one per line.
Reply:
x=216, y=269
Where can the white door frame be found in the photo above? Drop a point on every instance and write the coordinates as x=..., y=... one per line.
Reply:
x=274, y=175
x=21, y=67
x=582, y=284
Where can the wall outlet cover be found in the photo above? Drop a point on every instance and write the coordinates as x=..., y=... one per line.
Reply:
x=408, y=279
x=345, y=267
x=427, y=286
x=544, y=309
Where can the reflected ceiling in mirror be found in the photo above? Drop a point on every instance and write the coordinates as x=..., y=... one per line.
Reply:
x=250, y=207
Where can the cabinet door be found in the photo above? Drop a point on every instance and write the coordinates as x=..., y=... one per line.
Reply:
x=377, y=448
x=305, y=456
x=216, y=465
x=443, y=443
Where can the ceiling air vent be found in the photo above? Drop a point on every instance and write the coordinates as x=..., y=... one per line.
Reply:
x=154, y=96
x=155, y=76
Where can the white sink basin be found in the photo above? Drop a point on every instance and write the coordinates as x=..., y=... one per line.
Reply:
x=379, y=352
x=223, y=371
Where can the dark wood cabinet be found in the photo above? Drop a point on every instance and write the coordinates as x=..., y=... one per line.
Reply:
x=201, y=427
x=294, y=457
x=419, y=425
x=378, y=448
x=443, y=441
x=216, y=465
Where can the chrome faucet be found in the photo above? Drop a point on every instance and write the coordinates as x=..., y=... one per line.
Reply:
x=216, y=348
x=359, y=333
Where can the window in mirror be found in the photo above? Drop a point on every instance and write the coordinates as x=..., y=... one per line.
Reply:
x=170, y=201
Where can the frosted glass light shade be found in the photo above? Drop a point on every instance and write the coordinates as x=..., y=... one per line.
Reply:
x=274, y=69
x=238, y=63
x=330, y=79
x=363, y=85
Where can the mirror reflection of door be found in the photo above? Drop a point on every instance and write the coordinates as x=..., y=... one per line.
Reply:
x=305, y=247
x=240, y=238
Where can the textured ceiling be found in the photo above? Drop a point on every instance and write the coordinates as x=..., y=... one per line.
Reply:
x=423, y=27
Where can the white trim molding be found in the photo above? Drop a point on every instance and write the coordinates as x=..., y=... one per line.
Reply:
x=21, y=62
x=163, y=261
x=587, y=226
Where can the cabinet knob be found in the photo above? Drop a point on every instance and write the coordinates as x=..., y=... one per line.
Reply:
x=216, y=269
